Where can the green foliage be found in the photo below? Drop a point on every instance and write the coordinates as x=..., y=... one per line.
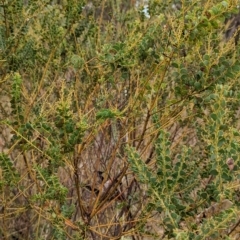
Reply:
x=171, y=184
x=107, y=114
x=53, y=189
x=10, y=176
x=114, y=124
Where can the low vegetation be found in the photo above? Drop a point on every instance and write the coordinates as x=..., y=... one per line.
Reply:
x=119, y=121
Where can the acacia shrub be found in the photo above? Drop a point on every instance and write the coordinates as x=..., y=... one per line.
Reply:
x=118, y=127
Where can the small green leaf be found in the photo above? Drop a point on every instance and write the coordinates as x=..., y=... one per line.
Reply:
x=107, y=114
x=174, y=64
x=213, y=116
x=214, y=172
